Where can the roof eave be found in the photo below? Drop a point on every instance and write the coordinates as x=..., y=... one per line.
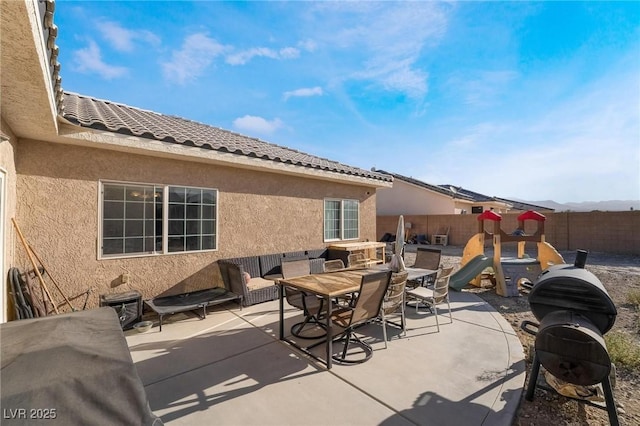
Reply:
x=75, y=135
x=29, y=105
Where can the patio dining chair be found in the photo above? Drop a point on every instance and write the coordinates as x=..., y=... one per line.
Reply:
x=333, y=265
x=373, y=288
x=426, y=258
x=393, y=303
x=310, y=304
x=357, y=261
x=435, y=296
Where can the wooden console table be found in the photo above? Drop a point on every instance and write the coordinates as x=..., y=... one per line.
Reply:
x=373, y=251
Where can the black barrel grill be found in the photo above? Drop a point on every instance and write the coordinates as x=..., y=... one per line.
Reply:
x=575, y=311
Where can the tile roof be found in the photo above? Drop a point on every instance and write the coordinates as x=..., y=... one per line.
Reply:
x=521, y=205
x=465, y=194
x=516, y=205
x=46, y=9
x=475, y=196
x=118, y=118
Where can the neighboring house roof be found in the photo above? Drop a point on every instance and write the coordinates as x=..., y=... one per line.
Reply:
x=460, y=193
x=109, y=116
x=442, y=189
x=475, y=196
x=516, y=205
x=520, y=205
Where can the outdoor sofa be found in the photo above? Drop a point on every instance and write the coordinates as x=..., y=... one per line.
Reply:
x=253, y=277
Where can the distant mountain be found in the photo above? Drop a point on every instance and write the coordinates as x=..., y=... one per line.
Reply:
x=587, y=206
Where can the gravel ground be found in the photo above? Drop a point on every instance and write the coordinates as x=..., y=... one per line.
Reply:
x=619, y=274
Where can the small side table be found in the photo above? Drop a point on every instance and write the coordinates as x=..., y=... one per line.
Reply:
x=128, y=305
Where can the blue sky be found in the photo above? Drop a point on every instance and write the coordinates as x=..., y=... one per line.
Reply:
x=538, y=101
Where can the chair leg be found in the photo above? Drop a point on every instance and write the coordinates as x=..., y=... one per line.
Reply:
x=347, y=340
x=450, y=317
x=296, y=329
x=403, y=320
x=384, y=330
x=435, y=310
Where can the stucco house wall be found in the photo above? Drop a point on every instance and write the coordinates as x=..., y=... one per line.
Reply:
x=410, y=196
x=57, y=147
x=405, y=198
x=259, y=213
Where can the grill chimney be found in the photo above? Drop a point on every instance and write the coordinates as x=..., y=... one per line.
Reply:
x=581, y=259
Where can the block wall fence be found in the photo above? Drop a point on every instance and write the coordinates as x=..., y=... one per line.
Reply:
x=608, y=232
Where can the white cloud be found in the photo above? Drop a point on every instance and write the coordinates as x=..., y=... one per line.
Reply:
x=289, y=53
x=197, y=52
x=482, y=88
x=308, y=45
x=242, y=57
x=478, y=136
x=584, y=148
x=397, y=76
x=122, y=39
x=392, y=36
x=304, y=92
x=253, y=124
x=89, y=60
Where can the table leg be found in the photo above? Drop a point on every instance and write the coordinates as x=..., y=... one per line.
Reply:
x=281, y=312
x=329, y=334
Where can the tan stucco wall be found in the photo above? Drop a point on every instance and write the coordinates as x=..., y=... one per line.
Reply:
x=407, y=199
x=259, y=213
x=7, y=164
x=404, y=198
x=28, y=99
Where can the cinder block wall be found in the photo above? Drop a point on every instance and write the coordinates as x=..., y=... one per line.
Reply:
x=609, y=232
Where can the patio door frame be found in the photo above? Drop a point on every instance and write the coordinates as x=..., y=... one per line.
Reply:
x=3, y=243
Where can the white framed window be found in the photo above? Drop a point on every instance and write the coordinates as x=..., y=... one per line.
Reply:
x=341, y=219
x=149, y=219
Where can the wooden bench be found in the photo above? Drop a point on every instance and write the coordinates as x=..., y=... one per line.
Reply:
x=193, y=301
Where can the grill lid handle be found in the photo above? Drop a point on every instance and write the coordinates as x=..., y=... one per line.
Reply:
x=527, y=326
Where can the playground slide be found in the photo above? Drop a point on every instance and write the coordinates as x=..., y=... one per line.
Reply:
x=469, y=271
x=548, y=255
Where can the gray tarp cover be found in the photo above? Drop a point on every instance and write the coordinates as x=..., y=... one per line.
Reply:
x=77, y=364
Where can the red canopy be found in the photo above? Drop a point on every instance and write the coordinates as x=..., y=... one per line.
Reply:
x=490, y=215
x=533, y=215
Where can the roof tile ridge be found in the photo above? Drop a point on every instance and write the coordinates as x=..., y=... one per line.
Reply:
x=231, y=132
x=106, y=101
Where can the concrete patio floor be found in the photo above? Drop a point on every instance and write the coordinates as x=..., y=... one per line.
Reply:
x=231, y=369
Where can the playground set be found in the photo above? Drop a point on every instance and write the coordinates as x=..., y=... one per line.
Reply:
x=508, y=272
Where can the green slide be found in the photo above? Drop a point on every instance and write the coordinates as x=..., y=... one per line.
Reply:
x=469, y=271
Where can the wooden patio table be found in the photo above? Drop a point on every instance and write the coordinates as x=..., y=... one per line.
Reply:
x=328, y=286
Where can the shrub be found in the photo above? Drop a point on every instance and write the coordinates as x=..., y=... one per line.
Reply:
x=633, y=297
x=623, y=350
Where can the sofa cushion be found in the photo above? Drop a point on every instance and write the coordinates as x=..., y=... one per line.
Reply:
x=257, y=283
